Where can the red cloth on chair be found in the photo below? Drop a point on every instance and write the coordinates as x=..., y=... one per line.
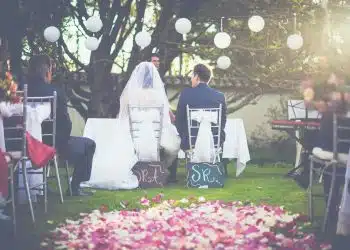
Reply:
x=39, y=153
x=4, y=175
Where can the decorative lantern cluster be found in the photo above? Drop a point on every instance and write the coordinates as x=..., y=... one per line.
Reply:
x=222, y=40
x=93, y=24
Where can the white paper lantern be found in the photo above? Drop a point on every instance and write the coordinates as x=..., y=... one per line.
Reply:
x=295, y=41
x=222, y=40
x=143, y=39
x=94, y=24
x=256, y=23
x=223, y=62
x=92, y=43
x=52, y=34
x=183, y=26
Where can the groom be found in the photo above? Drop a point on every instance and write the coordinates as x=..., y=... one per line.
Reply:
x=199, y=96
x=79, y=151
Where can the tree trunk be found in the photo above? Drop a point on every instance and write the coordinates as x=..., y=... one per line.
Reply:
x=100, y=86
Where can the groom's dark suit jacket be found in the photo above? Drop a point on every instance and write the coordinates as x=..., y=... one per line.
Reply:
x=201, y=96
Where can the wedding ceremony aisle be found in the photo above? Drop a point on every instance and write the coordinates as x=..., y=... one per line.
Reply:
x=256, y=204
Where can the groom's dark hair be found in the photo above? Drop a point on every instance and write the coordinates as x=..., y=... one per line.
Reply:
x=203, y=72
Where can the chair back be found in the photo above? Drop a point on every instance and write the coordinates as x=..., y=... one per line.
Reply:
x=193, y=125
x=341, y=134
x=15, y=127
x=135, y=123
x=49, y=123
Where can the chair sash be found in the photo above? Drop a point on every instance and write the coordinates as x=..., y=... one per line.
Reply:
x=204, y=149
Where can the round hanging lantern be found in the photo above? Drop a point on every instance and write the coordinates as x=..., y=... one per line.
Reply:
x=94, y=24
x=183, y=26
x=52, y=34
x=222, y=40
x=295, y=41
x=223, y=62
x=256, y=23
x=91, y=43
x=143, y=39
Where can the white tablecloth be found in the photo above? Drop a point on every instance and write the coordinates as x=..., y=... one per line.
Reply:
x=235, y=145
x=36, y=115
x=100, y=130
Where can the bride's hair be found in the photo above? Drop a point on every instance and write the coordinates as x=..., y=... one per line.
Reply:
x=148, y=79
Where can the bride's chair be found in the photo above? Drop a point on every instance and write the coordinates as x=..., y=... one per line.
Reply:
x=146, y=124
x=203, y=159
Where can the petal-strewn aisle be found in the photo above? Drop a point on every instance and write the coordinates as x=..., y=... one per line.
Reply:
x=186, y=224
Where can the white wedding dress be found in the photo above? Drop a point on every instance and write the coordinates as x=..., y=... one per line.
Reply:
x=144, y=89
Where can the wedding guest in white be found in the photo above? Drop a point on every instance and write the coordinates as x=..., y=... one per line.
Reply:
x=144, y=89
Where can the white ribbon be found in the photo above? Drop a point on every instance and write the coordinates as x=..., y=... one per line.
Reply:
x=204, y=149
x=146, y=141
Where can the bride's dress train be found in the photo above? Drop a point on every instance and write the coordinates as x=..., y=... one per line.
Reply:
x=119, y=158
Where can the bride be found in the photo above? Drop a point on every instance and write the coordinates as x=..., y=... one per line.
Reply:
x=144, y=89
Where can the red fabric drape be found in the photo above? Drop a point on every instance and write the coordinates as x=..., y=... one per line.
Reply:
x=39, y=153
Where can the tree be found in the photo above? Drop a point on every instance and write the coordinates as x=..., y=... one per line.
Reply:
x=260, y=60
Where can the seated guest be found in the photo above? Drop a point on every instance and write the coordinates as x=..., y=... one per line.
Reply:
x=325, y=142
x=200, y=95
x=79, y=151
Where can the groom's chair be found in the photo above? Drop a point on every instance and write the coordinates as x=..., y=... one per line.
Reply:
x=193, y=124
x=150, y=173
x=199, y=173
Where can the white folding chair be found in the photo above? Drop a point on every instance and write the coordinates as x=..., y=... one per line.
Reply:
x=15, y=141
x=193, y=127
x=49, y=137
x=324, y=160
x=15, y=134
x=135, y=122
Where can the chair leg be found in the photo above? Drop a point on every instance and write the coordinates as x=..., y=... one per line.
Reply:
x=26, y=187
x=68, y=179
x=13, y=200
x=58, y=178
x=330, y=196
x=310, y=195
x=48, y=170
x=45, y=187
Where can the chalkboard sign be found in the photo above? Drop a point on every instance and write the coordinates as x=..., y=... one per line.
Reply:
x=150, y=174
x=204, y=174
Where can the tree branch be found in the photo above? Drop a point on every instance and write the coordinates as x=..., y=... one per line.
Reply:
x=70, y=54
x=123, y=17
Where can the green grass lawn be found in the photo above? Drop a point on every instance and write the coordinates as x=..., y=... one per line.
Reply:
x=257, y=184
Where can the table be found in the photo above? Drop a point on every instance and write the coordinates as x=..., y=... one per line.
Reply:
x=100, y=130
